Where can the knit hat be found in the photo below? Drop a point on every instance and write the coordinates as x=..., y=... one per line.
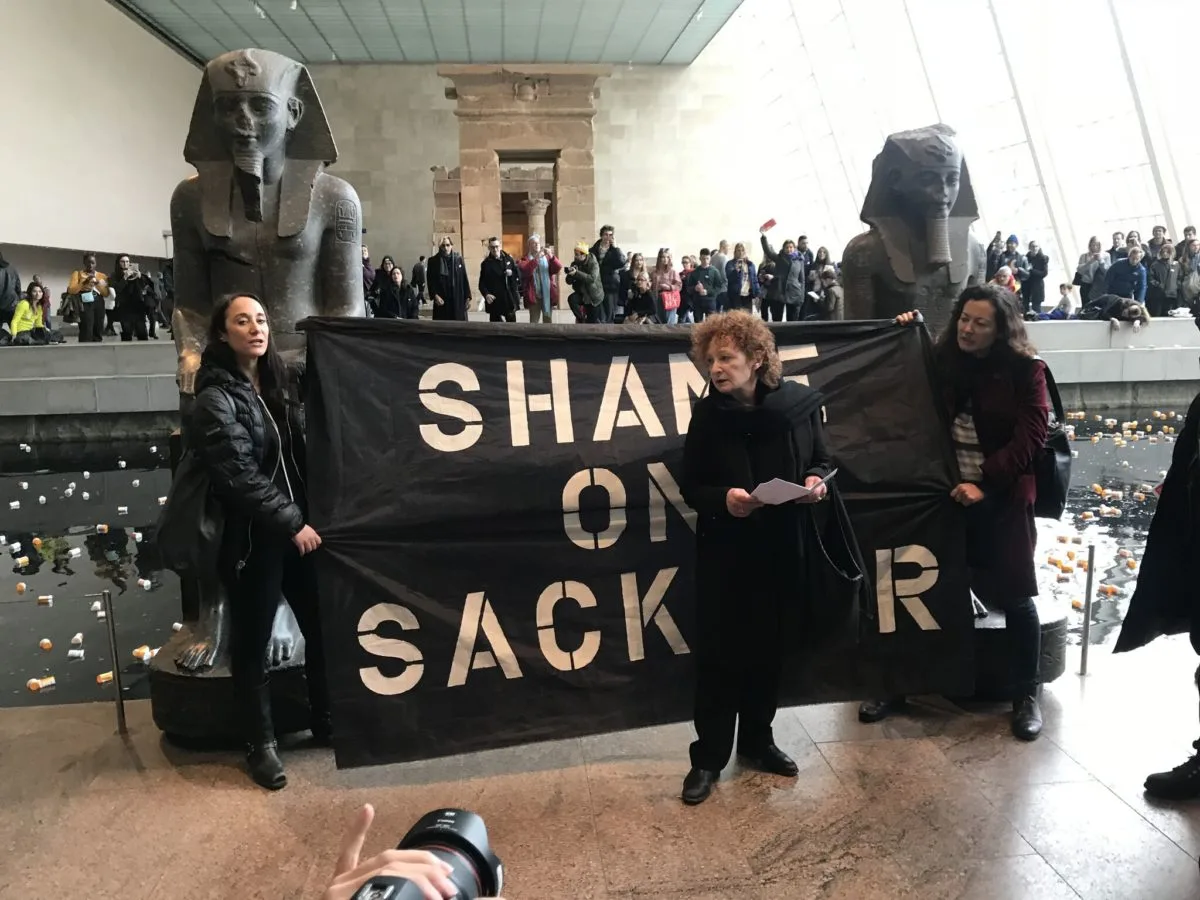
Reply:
x=1013, y=239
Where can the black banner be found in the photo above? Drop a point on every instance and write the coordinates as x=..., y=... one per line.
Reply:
x=506, y=554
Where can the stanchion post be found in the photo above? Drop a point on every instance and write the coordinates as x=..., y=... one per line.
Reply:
x=111, y=626
x=1087, y=611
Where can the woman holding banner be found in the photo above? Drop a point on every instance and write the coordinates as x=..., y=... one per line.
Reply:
x=246, y=432
x=749, y=428
x=994, y=389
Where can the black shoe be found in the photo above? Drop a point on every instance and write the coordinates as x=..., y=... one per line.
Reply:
x=322, y=731
x=1026, y=719
x=262, y=760
x=877, y=710
x=1181, y=783
x=773, y=761
x=698, y=785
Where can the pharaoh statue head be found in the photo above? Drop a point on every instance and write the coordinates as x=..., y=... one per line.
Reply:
x=257, y=110
x=920, y=176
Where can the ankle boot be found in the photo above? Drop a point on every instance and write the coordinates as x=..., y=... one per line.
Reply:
x=265, y=767
x=262, y=754
x=1181, y=783
x=1026, y=719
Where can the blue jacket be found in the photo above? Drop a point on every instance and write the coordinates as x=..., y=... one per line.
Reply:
x=734, y=280
x=1125, y=280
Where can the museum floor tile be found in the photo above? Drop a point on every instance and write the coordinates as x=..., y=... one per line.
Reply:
x=942, y=803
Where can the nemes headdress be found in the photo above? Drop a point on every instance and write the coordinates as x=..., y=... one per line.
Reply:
x=310, y=145
x=265, y=72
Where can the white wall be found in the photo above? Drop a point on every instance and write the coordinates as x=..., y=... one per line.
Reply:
x=96, y=111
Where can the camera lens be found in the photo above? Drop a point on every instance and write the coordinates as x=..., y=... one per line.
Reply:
x=459, y=838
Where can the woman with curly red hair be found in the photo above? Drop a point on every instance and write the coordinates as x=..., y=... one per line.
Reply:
x=750, y=427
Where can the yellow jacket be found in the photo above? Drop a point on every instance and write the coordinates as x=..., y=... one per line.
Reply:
x=26, y=317
x=78, y=284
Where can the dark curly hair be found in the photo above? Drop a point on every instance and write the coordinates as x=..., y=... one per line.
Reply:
x=1012, y=340
x=748, y=333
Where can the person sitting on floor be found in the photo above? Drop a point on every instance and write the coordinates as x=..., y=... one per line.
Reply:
x=27, y=325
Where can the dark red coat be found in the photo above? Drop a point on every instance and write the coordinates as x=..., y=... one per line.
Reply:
x=1011, y=414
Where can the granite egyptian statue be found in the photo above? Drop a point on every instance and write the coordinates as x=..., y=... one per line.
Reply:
x=262, y=216
x=920, y=252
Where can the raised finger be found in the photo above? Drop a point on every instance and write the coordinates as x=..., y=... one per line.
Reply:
x=352, y=843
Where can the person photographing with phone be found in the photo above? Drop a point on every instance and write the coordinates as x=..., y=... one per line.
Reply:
x=749, y=428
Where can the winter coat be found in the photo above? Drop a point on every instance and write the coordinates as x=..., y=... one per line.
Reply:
x=1127, y=280
x=247, y=461
x=733, y=278
x=1011, y=414
x=833, y=304
x=713, y=284
x=10, y=287
x=529, y=266
x=132, y=295
x=398, y=301
x=1034, y=288
x=789, y=284
x=448, y=279
x=1164, y=277
x=502, y=279
x=1167, y=597
x=586, y=281
x=418, y=275
x=612, y=264
x=750, y=573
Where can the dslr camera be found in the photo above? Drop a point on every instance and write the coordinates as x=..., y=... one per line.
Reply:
x=455, y=836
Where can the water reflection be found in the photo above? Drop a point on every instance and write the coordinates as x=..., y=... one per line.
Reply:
x=85, y=522
x=87, y=544
x=1131, y=467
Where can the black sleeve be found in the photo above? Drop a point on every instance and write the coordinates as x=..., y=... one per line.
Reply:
x=227, y=451
x=697, y=485
x=822, y=462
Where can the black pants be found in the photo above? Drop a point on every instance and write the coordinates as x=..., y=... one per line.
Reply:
x=274, y=566
x=91, y=322
x=500, y=315
x=777, y=310
x=1024, y=631
x=133, y=322
x=607, y=308
x=728, y=696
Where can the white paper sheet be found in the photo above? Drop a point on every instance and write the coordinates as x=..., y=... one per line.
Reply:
x=777, y=490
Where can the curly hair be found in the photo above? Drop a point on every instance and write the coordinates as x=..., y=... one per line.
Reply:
x=1012, y=340
x=747, y=333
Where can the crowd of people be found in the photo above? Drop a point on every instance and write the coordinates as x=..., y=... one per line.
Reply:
x=1132, y=281
x=131, y=300
x=609, y=286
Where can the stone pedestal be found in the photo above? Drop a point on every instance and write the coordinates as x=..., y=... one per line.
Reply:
x=536, y=210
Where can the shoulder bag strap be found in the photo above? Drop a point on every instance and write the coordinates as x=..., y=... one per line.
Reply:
x=1052, y=389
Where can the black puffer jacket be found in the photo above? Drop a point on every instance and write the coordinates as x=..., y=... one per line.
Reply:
x=228, y=428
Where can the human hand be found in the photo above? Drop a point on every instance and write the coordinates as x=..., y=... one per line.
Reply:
x=488, y=298
x=740, y=504
x=438, y=301
x=818, y=488
x=420, y=867
x=908, y=318
x=306, y=540
x=1137, y=326
x=1114, y=324
x=967, y=494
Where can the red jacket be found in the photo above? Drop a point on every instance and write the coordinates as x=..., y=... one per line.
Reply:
x=1011, y=415
x=528, y=267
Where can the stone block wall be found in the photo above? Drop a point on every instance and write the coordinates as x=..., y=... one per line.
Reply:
x=393, y=125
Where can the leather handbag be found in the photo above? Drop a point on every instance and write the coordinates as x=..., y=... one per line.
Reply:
x=1052, y=464
x=838, y=594
x=192, y=522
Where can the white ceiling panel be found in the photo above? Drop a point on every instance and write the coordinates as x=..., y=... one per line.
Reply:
x=651, y=32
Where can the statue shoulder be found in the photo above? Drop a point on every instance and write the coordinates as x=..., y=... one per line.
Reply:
x=864, y=251
x=186, y=194
x=334, y=190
